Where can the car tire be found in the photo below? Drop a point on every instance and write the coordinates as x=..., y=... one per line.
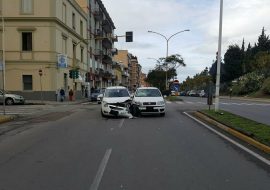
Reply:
x=162, y=114
x=9, y=101
x=102, y=114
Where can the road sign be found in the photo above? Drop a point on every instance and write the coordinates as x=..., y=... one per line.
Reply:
x=62, y=61
x=40, y=72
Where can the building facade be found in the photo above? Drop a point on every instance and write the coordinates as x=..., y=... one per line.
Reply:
x=57, y=44
x=44, y=46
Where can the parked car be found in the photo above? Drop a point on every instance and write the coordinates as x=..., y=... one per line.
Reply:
x=11, y=99
x=115, y=102
x=148, y=100
x=193, y=93
x=95, y=93
x=202, y=93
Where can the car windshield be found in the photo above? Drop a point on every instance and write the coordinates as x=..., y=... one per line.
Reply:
x=116, y=93
x=148, y=93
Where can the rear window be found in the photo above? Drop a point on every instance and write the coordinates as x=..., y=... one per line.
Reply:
x=116, y=93
x=148, y=93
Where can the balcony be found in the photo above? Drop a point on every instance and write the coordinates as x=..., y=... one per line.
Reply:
x=107, y=26
x=98, y=33
x=107, y=43
x=107, y=59
x=97, y=14
x=98, y=53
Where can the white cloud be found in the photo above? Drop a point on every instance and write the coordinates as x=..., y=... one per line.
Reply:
x=241, y=19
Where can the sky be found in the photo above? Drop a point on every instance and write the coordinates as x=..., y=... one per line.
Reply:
x=242, y=19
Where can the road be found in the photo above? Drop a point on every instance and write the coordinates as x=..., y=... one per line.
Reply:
x=257, y=111
x=75, y=148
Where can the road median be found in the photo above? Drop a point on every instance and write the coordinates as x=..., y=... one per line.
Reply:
x=6, y=118
x=256, y=134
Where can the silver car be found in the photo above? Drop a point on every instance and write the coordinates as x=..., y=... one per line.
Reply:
x=11, y=99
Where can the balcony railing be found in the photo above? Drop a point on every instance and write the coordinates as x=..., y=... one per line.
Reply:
x=97, y=14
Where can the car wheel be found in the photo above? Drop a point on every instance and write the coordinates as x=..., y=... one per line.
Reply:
x=102, y=114
x=9, y=101
x=162, y=114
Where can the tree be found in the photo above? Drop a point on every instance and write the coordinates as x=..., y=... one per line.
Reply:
x=263, y=42
x=165, y=65
x=233, y=60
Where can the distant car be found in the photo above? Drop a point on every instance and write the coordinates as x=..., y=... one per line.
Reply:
x=202, y=93
x=114, y=101
x=193, y=93
x=148, y=100
x=95, y=93
x=11, y=99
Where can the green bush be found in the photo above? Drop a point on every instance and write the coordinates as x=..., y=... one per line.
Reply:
x=266, y=86
x=248, y=83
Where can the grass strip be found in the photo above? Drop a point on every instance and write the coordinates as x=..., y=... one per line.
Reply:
x=173, y=98
x=258, y=131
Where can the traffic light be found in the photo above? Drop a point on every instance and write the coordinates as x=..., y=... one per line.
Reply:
x=129, y=36
x=76, y=74
x=71, y=74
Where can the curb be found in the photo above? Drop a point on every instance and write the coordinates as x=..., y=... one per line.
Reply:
x=235, y=133
x=6, y=118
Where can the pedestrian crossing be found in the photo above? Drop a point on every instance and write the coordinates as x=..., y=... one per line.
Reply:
x=23, y=110
x=221, y=103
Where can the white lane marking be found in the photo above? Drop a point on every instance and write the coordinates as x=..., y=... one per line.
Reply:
x=179, y=102
x=231, y=140
x=101, y=170
x=121, y=123
x=190, y=102
x=168, y=102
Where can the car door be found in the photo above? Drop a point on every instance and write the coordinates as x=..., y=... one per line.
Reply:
x=1, y=96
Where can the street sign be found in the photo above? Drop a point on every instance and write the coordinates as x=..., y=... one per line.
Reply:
x=62, y=61
x=40, y=72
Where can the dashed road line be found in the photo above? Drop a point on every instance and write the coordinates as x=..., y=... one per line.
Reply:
x=101, y=170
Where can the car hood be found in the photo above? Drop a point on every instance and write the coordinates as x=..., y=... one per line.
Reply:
x=115, y=100
x=148, y=99
x=13, y=95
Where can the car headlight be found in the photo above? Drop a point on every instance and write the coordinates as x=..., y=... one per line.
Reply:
x=105, y=104
x=138, y=103
x=160, y=103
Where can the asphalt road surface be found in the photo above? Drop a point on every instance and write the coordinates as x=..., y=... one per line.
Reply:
x=76, y=149
x=257, y=111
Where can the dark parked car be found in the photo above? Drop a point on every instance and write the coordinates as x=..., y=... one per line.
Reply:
x=95, y=94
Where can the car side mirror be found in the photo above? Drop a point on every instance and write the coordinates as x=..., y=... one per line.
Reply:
x=100, y=96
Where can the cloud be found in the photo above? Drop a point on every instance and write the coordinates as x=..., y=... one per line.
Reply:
x=241, y=19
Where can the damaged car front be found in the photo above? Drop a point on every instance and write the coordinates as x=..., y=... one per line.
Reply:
x=116, y=102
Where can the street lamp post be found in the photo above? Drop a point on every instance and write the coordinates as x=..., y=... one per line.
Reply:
x=3, y=63
x=167, y=49
x=219, y=57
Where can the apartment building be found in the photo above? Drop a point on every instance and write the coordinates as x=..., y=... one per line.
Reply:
x=135, y=73
x=44, y=42
x=124, y=59
x=101, y=44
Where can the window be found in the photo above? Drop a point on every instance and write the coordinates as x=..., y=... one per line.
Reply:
x=73, y=21
x=27, y=82
x=27, y=6
x=64, y=45
x=26, y=41
x=64, y=13
x=82, y=50
x=81, y=28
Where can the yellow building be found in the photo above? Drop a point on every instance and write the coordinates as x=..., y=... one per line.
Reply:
x=44, y=36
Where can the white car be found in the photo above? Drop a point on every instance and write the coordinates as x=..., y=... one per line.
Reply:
x=148, y=100
x=11, y=99
x=115, y=102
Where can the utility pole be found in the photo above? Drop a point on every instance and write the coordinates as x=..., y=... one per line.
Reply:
x=219, y=57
